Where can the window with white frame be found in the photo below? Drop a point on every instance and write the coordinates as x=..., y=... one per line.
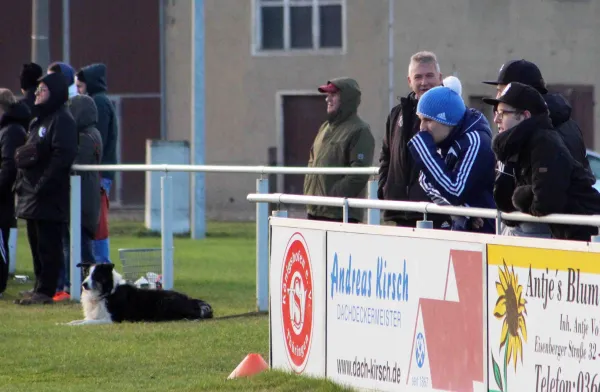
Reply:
x=290, y=25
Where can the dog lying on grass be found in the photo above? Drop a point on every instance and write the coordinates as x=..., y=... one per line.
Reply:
x=107, y=298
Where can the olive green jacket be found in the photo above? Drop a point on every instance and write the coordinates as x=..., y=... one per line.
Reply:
x=345, y=140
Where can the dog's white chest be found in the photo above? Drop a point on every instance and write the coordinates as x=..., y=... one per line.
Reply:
x=93, y=308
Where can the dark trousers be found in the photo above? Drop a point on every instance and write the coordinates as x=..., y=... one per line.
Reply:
x=87, y=255
x=322, y=218
x=4, y=235
x=45, y=241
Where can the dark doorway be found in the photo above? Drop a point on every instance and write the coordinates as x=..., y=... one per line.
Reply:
x=302, y=117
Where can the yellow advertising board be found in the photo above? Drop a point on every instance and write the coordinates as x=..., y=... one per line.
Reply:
x=543, y=319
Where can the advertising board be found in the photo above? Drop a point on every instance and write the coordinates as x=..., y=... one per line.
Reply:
x=297, y=300
x=544, y=324
x=405, y=313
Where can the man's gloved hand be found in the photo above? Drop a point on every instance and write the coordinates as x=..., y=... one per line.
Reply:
x=522, y=198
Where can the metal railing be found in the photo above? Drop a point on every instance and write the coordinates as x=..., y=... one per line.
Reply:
x=262, y=214
x=424, y=208
x=262, y=198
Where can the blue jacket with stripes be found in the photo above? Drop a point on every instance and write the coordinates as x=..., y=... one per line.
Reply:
x=460, y=170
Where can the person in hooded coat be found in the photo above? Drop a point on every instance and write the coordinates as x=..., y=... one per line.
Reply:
x=91, y=80
x=85, y=113
x=43, y=183
x=14, y=118
x=344, y=140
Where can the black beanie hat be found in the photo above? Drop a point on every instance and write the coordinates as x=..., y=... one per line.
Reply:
x=30, y=73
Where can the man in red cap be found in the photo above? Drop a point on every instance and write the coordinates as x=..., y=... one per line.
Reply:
x=344, y=140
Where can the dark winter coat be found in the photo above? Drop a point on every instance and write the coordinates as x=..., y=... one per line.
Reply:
x=398, y=173
x=546, y=178
x=13, y=126
x=560, y=114
x=43, y=187
x=94, y=77
x=85, y=113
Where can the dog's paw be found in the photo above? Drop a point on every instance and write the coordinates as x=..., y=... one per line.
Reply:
x=74, y=322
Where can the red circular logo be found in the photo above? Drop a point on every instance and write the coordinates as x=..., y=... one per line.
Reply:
x=296, y=302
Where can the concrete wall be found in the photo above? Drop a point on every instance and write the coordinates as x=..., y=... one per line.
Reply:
x=472, y=38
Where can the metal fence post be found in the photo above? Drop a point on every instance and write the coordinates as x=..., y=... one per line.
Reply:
x=262, y=248
x=166, y=229
x=498, y=222
x=345, y=211
x=596, y=238
x=75, y=233
x=373, y=215
x=425, y=224
x=12, y=250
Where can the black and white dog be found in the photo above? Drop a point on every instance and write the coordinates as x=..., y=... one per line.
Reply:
x=107, y=298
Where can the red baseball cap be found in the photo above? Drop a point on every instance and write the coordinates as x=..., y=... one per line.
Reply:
x=328, y=88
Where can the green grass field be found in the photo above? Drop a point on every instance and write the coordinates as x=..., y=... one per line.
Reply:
x=39, y=355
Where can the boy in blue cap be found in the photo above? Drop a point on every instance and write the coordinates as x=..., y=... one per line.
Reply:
x=68, y=72
x=453, y=150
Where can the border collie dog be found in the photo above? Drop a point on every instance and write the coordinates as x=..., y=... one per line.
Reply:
x=107, y=298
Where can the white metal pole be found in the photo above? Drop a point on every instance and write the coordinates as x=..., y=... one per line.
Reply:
x=12, y=250
x=163, y=69
x=373, y=214
x=75, y=233
x=166, y=225
x=66, y=31
x=262, y=248
x=391, y=52
x=198, y=202
x=345, y=211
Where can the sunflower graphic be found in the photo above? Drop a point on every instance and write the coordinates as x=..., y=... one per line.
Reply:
x=510, y=308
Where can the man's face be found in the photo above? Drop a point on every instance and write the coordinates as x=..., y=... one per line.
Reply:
x=422, y=77
x=437, y=130
x=333, y=102
x=508, y=117
x=42, y=94
x=81, y=87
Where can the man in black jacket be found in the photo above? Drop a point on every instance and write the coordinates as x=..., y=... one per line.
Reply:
x=85, y=113
x=14, y=117
x=547, y=179
x=398, y=173
x=526, y=72
x=44, y=164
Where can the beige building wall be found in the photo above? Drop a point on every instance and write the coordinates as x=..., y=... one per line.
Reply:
x=472, y=39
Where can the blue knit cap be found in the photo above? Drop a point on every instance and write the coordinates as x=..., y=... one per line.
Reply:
x=68, y=72
x=443, y=105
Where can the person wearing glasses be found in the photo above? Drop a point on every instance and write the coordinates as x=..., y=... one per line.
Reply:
x=526, y=72
x=545, y=178
x=44, y=166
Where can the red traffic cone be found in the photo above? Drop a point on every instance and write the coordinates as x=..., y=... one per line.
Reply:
x=251, y=365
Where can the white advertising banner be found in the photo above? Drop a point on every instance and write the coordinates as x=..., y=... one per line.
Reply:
x=297, y=293
x=544, y=324
x=405, y=313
